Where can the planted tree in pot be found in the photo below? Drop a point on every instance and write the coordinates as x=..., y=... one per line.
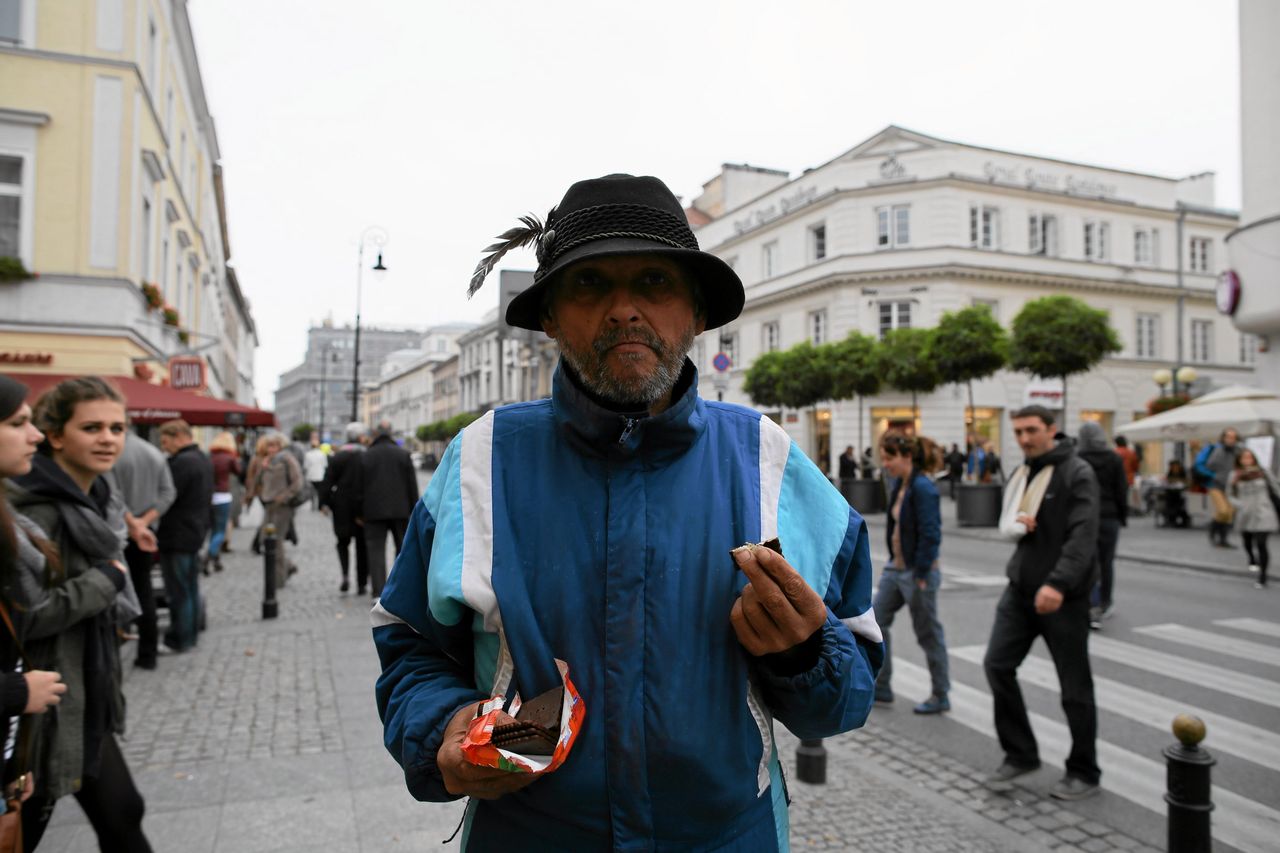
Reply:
x=857, y=370
x=908, y=362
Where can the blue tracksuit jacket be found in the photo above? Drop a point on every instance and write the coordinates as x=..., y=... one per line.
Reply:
x=560, y=529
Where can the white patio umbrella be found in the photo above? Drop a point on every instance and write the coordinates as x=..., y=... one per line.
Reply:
x=1250, y=411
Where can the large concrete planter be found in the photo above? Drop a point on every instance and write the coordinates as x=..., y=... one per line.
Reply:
x=978, y=504
x=866, y=496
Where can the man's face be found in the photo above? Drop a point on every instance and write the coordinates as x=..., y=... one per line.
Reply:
x=1034, y=436
x=1230, y=437
x=625, y=324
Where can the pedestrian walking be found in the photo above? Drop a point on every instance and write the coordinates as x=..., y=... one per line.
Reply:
x=848, y=464
x=955, y=469
x=912, y=576
x=314, y=463
x=976, y=463
x=182, y=532
x=1051, y=509
x=992, y=467
x=1214, y=469
x=145, y=483
x=226, y=471
x=66, y=495
x=280, y=489
x=253, y=484
x=1113, y=513
x=1256, y=496
x=24, y=557
x=341, y=493
x=387, y=499
x=601, y=528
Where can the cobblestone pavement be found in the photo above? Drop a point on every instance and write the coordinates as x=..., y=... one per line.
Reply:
x=265, y=738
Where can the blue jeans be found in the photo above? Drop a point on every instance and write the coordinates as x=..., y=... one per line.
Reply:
x=221, y=515
x=182, y=588
x=898, y=588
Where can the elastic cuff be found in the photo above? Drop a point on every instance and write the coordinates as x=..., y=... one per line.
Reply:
x=113, y=574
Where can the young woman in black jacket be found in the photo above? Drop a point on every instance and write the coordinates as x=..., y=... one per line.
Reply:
x=83, y=420
x=22, y=550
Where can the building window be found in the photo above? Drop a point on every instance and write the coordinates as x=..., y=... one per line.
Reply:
x=992, y=305
x=1042, y=234
x=769, y=337
x=144, y=262
x=168, y=114
x=1201, y=341
x=153, y=44
x=1097, y=239
x=10, y=204
x=729, y=346
x=1146, y=344
x=817, y=327
x=11, y=21
x=164, y=266
x=769, y=259
x=984, y=227
x=818, y=242
x=1248, y=348
x=1142, y=247
x=893, y=226
x=894, y=315
x=1200, y=254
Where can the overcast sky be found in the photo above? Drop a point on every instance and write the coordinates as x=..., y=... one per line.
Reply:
x=442, y=122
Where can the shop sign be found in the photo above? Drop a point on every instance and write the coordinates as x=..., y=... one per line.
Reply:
x=1044, y=392
x=26, y=358
x=186, y=373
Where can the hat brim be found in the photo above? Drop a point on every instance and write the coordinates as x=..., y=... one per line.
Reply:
x=722, y=293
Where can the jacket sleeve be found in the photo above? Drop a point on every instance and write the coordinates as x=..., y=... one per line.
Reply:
x=1120, y=488
x=72, y=601
x=166, y=492
x=423, y=634
x=928, y=525
x=326, y=485
x=13, y=694
x=827, y=542
x=1080, y=538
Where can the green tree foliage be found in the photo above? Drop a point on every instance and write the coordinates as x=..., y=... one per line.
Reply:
x=967, y=345
x=445, y=430
x=302, y=432
x=908, y=363
x=763, y=382
x=857, y=370
x=1059, y=336
x=795, y=378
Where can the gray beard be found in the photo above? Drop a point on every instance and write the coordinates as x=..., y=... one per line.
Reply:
x=592, y=369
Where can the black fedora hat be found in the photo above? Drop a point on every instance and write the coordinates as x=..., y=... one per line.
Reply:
x=614, y=215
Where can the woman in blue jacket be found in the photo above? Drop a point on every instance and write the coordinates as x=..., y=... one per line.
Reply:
x=912, y=577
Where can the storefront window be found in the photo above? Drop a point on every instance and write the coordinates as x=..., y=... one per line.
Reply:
x=983, y=426
x=1103, y=419
x=822, y=440
x=885, y=418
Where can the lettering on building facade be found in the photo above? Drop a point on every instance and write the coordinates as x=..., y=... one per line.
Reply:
x=26, y=358
x=1038, y=179
x=782, y=207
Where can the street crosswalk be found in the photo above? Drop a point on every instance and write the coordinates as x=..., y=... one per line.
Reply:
x=1135, y=770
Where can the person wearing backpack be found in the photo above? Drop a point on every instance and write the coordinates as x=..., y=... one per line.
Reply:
x=1215, y=472
x=281, y=491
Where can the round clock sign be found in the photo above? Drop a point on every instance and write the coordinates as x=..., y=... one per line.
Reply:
x=1228, y=292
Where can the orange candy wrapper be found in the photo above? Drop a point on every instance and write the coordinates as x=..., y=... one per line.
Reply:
x=479, y=749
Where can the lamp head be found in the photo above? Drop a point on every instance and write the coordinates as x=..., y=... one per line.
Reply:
x=1163, y=376
x=379, y=269
x=1187, y=375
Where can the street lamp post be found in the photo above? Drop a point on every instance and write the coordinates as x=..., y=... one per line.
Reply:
x=324, y=382
x=378, y=237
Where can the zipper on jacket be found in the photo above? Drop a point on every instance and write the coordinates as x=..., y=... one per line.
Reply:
x=627, y=429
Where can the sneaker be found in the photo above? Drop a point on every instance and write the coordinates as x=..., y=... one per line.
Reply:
x=1108, y=610
x=1259, y=585
x=884, y=696
x=1073, y=788
x=1001, y=779
x=346, y=585
x=360, y=590
x=1095, y=614
x=145, y=663
x=1253, y=568
x=935, y=704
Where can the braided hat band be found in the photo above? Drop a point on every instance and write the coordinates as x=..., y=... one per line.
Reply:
x=611, y=221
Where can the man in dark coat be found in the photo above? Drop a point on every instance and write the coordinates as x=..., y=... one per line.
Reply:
x=183, y=530
x=1051, y=573
x=1113, y=511
x=391, y=490
x=848, y=464
x=342, y=494
x=955, y=468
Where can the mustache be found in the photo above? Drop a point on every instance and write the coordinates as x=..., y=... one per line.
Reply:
x=612, y=337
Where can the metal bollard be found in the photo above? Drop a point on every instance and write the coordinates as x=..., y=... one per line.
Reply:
x=811, y=762
x=1189, y=789
x=270, y=553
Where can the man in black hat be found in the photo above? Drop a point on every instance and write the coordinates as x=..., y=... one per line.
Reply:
x=599, y=530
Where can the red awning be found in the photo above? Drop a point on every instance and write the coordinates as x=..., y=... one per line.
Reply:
x=155, y=404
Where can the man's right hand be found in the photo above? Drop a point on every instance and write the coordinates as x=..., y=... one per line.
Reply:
x=1027, y=521
x=461, y=777
x=44, y=690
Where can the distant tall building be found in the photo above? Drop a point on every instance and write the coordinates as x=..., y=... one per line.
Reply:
x=318, y=391
x=111, y=191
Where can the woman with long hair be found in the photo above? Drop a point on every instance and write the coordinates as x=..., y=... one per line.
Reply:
x=1255, y=494
x=24, y=553
x=65, y=494
x=226, y=467
x=912, y=577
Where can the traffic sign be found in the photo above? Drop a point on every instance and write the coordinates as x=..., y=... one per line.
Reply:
x=721, y=362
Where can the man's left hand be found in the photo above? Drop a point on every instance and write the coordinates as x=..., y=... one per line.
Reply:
x=1048, y=600
x=144, y=537
x=777, y=609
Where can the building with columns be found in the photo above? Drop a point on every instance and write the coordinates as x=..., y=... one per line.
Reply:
x=904, y=227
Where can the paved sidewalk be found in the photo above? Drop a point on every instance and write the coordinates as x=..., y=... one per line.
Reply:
x=265, y=738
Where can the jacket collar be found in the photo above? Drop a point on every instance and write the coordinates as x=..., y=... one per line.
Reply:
x=594, y=429
x=47, y=480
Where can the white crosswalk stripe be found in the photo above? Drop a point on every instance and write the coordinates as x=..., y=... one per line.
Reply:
x=1253, y=626
x=1249, y=742
x=1219, y=643
x=1239, y=821
x=1183, y=669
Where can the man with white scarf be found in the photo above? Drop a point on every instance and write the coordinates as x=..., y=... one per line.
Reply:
x=1051, y=509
